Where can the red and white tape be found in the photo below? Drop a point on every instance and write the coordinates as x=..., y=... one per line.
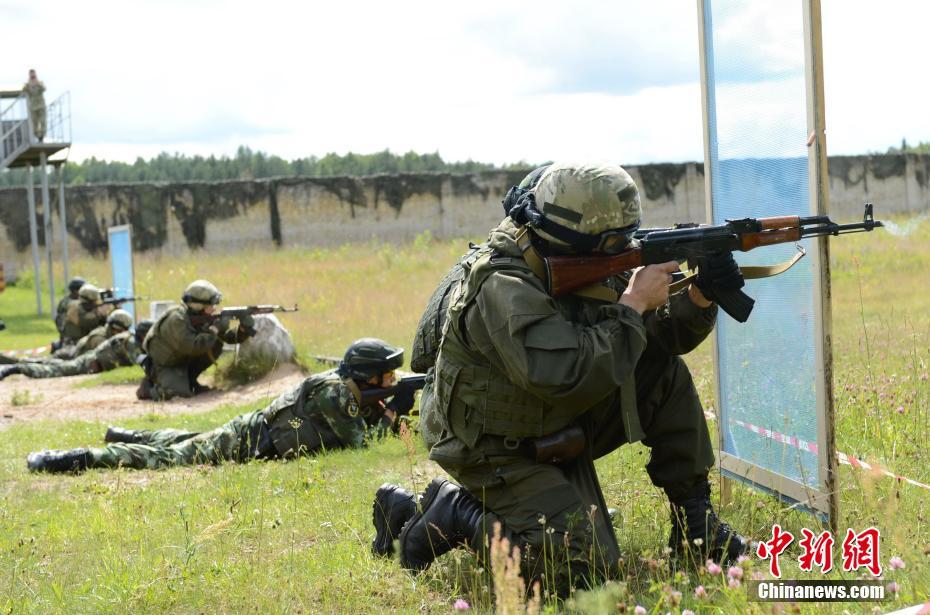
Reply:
x=28, y=352
x=811, y=447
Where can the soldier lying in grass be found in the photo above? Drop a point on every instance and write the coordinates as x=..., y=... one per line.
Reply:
x=323, y=412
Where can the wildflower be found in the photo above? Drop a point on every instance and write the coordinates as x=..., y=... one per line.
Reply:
x=893, y=587
x=699, y=592
x=461, y=605
x=900, y=409
x=758, y=576
x=713, y=567
x=687, y=612
x=741, y=559
x=735, y=572
x=698, y=542
x=733, y=584
x=639, y=610
x=896, y=563
x=666, y=550
x=676, y=598
x=542, y=519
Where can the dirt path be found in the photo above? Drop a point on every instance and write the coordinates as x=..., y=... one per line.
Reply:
x=58, y=398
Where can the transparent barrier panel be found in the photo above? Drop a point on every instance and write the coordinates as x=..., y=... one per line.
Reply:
x=757, y=127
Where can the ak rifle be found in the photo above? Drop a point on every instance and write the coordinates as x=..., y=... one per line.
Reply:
x=691, y=242
x=238, y=313
x=409, y=385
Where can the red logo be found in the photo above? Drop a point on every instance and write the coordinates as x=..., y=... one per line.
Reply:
x=775, y=547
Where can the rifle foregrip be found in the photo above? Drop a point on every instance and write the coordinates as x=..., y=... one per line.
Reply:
x=736, y=303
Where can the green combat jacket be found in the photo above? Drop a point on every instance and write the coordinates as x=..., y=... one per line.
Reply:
x=516, y=362
x=62, y=311
x=174, y=341
x=120, y=349
x=79, y=321
x=84, y=345
x=321, y=413
x=35, y=93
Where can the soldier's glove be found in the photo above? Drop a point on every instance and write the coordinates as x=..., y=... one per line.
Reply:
x=718, y=273
x=402, y=403
x=247, y=321
x=222, y=323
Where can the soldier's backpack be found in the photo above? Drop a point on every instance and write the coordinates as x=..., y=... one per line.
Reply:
x=429, y=330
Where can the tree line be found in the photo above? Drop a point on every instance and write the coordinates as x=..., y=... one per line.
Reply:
x=248, y=164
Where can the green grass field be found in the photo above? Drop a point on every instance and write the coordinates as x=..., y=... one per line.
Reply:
x=294, y=536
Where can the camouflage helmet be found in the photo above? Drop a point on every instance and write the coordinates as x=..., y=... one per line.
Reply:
x=142, y=329
x=588, y=207
x=201, y=291
x=90, y=294
x=370, y=357
x=120, y=318
x=75, y=284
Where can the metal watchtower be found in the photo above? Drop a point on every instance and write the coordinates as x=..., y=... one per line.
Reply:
x=19, y=147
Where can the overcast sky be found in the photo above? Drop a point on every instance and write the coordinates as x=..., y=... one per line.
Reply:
x=491, y=80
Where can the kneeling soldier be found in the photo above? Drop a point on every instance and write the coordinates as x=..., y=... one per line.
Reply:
x=531, y=389
x=321, y=413
x=185, y=341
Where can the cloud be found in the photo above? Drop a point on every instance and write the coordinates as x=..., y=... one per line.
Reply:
x=594, y=47
x=496, y=80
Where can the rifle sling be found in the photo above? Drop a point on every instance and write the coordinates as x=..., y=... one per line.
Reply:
x=750, y=272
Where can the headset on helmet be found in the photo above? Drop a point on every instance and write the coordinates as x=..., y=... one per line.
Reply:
x=121, y=319
x=202, y=291
x=90, y=294
x=599, y=205
x=368, y=358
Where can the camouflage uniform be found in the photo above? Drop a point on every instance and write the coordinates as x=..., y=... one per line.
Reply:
x=120, y=349
x=61, y=312
x=516, y=364
x=80, y=319
x=319, y=414
x=34, y=92
x=83, y=345
x=179, y=351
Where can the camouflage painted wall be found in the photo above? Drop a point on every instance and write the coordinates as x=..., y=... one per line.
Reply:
x=175, y=218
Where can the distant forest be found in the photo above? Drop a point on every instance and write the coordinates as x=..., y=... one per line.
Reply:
x=247, y=164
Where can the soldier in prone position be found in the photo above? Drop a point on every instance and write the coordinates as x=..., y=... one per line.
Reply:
x=185, y=341
x=323, y=412
x=528, y=390
x=121, y=348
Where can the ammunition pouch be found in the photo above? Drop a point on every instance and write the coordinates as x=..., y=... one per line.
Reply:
x=559, y=447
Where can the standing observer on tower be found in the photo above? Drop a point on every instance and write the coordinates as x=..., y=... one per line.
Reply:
x=34, y=91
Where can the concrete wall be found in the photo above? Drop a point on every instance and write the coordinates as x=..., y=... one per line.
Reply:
x=175, y=218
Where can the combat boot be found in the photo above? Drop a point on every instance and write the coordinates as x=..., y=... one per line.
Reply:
x=449, y=517
x=9, y=370
x=392, y=508
x=145, y=389
x=127, y=436
x=75, y=460
x=694, y=521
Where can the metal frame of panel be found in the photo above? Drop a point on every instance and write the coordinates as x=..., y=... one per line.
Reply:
x=825, y=501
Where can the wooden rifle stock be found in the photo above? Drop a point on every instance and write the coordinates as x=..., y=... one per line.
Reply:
x=566, y=274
